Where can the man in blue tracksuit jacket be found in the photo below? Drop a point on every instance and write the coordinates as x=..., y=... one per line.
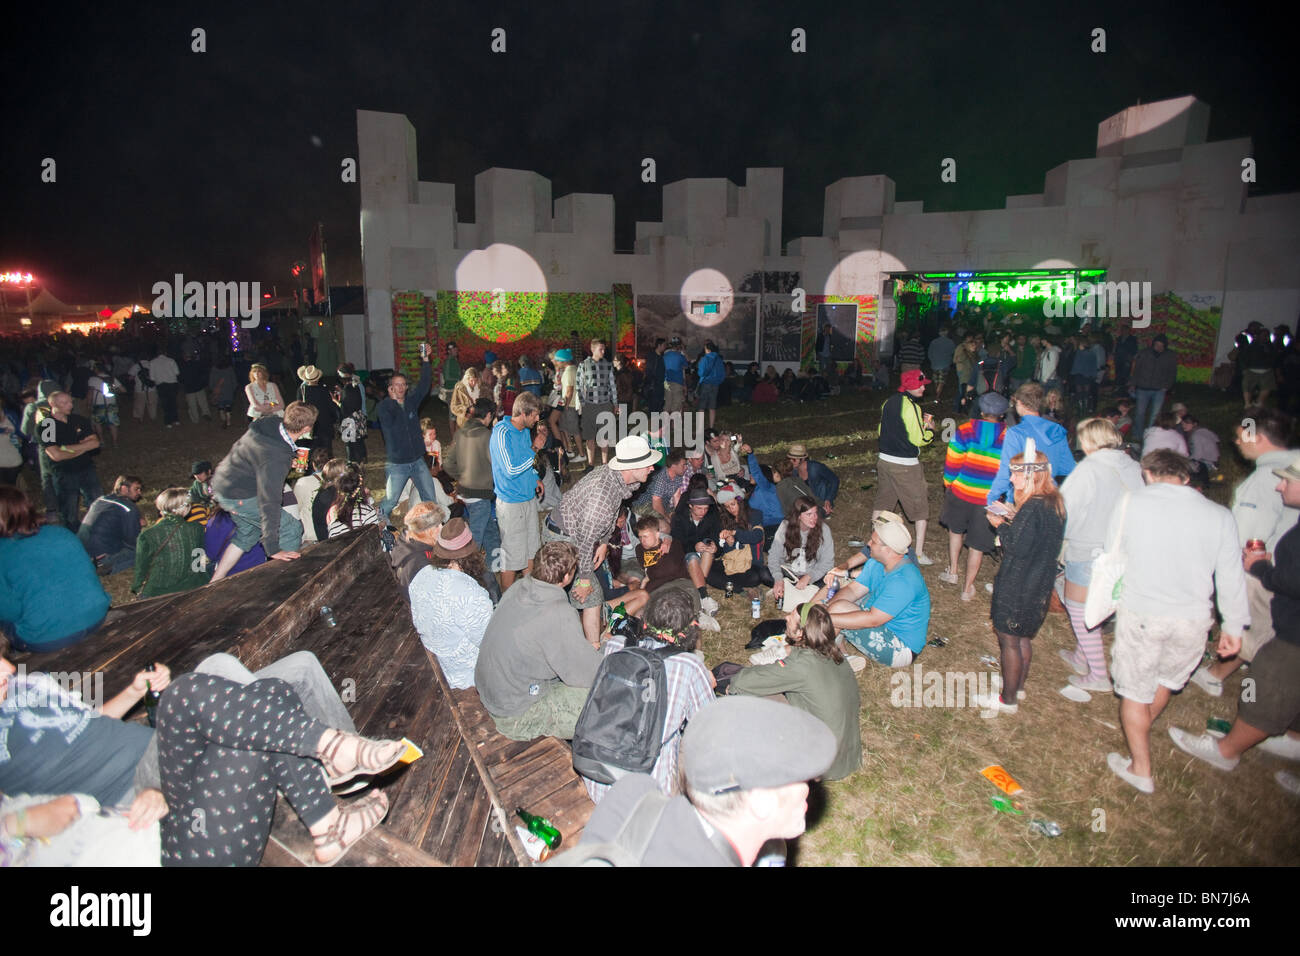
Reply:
x=1049, y=437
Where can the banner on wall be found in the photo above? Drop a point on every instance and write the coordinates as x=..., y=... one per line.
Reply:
x=734, y=330
x=1190, y=321
x=512, y=324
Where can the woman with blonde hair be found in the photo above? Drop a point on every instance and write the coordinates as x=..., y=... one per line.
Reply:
x=263, y=395
x=164, y=552
x=1031, y=537
x=464, y=395
x=1091, y=493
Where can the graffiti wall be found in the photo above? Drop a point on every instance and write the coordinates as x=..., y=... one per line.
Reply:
x=866, y=330
x=1190, y=321
x=512, y=324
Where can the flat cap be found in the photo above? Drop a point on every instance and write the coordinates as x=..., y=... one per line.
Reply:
x=748, y=743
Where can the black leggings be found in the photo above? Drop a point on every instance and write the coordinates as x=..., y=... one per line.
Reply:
x=225, y=749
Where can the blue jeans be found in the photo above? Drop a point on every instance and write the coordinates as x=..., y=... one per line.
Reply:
x=483, y=526
x=396, y=476
x=69, y=486
x=121, y=561
x=1149, y=403
x=248, y=527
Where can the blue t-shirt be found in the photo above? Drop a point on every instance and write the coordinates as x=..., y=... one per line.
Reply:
x=674, y=363
x=901, y=593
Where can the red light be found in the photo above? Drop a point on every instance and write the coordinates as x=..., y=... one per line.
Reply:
x=266, y=295
x=105, y=313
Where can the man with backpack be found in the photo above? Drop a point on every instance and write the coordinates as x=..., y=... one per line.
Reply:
x=746, y=762
x=644, y=694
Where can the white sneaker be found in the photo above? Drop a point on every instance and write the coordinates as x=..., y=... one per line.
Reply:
x=1202, y=679
x=924, y=559
x=1284, y=746
x=948, y=577
x=1099, y=685
x=770, y=655
x=1205, y=747
x=708, y=605
x=578, y=458
x=991, y=705
x=989, y=587
x=707, y=622
x=1288, y=782
x=1119, y=767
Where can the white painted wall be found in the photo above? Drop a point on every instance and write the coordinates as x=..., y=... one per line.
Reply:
x=1158, y=203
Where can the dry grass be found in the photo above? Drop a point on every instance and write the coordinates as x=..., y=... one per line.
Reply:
x=919, y=798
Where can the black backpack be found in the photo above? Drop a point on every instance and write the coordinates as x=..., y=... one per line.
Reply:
x=621, y=727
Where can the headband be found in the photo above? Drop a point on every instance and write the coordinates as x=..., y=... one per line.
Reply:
x=1031, y=463
x=803, y=615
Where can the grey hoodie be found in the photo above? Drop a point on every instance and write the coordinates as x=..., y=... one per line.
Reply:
x=534, y=640
x=255, y=468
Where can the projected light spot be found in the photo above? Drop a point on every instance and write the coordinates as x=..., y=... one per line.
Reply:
x=707, y=297
x=1055, y=264
x=501, y=293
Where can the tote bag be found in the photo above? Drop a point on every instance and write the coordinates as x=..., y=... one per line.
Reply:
x=1107, y=576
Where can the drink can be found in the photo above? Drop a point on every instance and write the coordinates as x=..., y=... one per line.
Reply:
x=534, y=846
x=754, y=609
x=1255, y=544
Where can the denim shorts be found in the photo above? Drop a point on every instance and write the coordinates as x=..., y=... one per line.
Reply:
x=1079, y=572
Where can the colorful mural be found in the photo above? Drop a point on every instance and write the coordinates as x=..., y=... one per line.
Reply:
x=866, y=337
x=521, y=323
x=1190, y=321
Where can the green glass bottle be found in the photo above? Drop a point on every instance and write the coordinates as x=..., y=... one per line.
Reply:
x=540, y=827
x=151, y=704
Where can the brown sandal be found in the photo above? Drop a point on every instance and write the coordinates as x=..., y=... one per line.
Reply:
x=370, y=809
x=371, y=761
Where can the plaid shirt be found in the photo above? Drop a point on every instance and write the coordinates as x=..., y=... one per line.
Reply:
x=687, y=682
x=589, y=511
x=596, y=382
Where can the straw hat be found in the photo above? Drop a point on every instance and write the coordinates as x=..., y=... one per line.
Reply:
x=309, y=374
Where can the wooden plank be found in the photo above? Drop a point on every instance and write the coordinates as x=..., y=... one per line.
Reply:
x=441, y=833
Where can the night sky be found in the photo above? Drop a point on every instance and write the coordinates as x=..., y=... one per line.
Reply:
x=205, y=163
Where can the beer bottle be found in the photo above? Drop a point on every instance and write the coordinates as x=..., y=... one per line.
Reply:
x=151, y=697
x=540, y=827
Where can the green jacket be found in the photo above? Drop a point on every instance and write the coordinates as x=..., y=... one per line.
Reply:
x=814, y=683
x=166, y=555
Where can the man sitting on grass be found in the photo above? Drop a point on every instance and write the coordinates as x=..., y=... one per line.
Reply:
x=885, y=611
x=661, y=565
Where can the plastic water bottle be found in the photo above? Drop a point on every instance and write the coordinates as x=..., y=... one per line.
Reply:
x=327, y=615
x=831, y=589
x=754, y=610
x=731, y=588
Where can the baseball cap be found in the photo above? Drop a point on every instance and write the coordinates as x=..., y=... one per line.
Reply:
x=913, y=379
x=748, y=743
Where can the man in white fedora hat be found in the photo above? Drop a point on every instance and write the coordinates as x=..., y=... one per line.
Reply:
x=587, y=515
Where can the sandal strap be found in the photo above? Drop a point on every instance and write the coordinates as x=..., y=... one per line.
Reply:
x=371, y=809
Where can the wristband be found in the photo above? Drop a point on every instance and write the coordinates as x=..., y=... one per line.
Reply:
x=20, y=824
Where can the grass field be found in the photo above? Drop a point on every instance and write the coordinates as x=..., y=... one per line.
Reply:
x=919, y=798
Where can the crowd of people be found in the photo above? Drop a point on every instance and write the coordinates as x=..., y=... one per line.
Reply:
x=540, y=587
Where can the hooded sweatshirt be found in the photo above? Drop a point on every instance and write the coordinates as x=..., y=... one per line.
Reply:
x=1050, y=438
x=255, y=468
x=533, y=642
